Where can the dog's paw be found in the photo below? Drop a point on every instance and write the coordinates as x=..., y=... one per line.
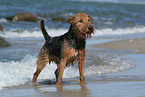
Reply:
x=58, y=83
x=34, y=83
x=83, y=82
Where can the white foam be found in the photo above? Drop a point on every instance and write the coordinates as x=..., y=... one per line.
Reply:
x=56, y=32
x=21, y=72
x=33, y=33
x=3, y=20
x=119, y=31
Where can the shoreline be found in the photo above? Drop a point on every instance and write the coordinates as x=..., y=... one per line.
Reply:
x=111, y=84
x=134, y=44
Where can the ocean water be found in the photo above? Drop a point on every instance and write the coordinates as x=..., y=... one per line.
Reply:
x=112, y=20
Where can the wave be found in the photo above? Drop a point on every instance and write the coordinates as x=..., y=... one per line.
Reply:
x=120, y=31
x=14, y=73
x=56, y=32
x=31, y=33
x=114, y=1
x=3, y=20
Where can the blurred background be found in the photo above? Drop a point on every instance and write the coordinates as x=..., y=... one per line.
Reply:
x=112, y=14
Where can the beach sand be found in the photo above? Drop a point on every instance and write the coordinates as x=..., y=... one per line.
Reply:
x=136, y=44
x=128, y=83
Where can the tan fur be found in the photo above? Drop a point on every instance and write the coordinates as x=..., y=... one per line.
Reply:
x=66, y=49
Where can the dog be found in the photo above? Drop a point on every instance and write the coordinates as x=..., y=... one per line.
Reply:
x=66, y=49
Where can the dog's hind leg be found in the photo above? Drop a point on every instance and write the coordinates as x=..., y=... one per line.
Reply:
x=41, y=63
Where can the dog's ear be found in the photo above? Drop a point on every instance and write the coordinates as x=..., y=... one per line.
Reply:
x=91, y=19
x=71, y=20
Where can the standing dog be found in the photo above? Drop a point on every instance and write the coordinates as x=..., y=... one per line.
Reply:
x=66, y=49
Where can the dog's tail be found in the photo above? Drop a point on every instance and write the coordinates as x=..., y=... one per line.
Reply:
x=45, y=34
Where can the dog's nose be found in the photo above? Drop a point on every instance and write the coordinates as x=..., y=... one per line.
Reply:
x=90, y=28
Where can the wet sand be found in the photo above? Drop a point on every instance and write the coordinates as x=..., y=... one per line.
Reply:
x=136, y=44
x=128, y=83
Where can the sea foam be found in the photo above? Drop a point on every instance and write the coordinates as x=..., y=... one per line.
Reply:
x=14, y=73
x=3, y=20
x=56, y=32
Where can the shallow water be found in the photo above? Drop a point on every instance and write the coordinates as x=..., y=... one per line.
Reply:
x=18, y=63
x=112, y=21
x=128, y=83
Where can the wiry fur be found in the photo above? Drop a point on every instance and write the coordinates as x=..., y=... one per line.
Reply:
x=66, y=49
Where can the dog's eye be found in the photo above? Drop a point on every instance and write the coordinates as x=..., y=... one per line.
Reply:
x=80, y=21
x=89, y=20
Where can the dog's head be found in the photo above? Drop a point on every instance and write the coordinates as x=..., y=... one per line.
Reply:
x=83, y=24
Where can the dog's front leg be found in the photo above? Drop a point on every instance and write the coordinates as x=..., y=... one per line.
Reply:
x=60, y=71
x=82, y=55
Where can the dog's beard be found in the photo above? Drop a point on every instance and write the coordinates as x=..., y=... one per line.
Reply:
x=88, y=35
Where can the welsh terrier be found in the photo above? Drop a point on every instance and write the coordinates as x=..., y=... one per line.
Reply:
x=66, y=49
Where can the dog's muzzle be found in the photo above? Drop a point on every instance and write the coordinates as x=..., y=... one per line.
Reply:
x=91, y=30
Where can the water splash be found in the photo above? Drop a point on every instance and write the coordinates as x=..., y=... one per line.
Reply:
x=14, y=73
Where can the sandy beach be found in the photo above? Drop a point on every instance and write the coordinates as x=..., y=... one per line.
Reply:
x=134, y=44
x=128, y=83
